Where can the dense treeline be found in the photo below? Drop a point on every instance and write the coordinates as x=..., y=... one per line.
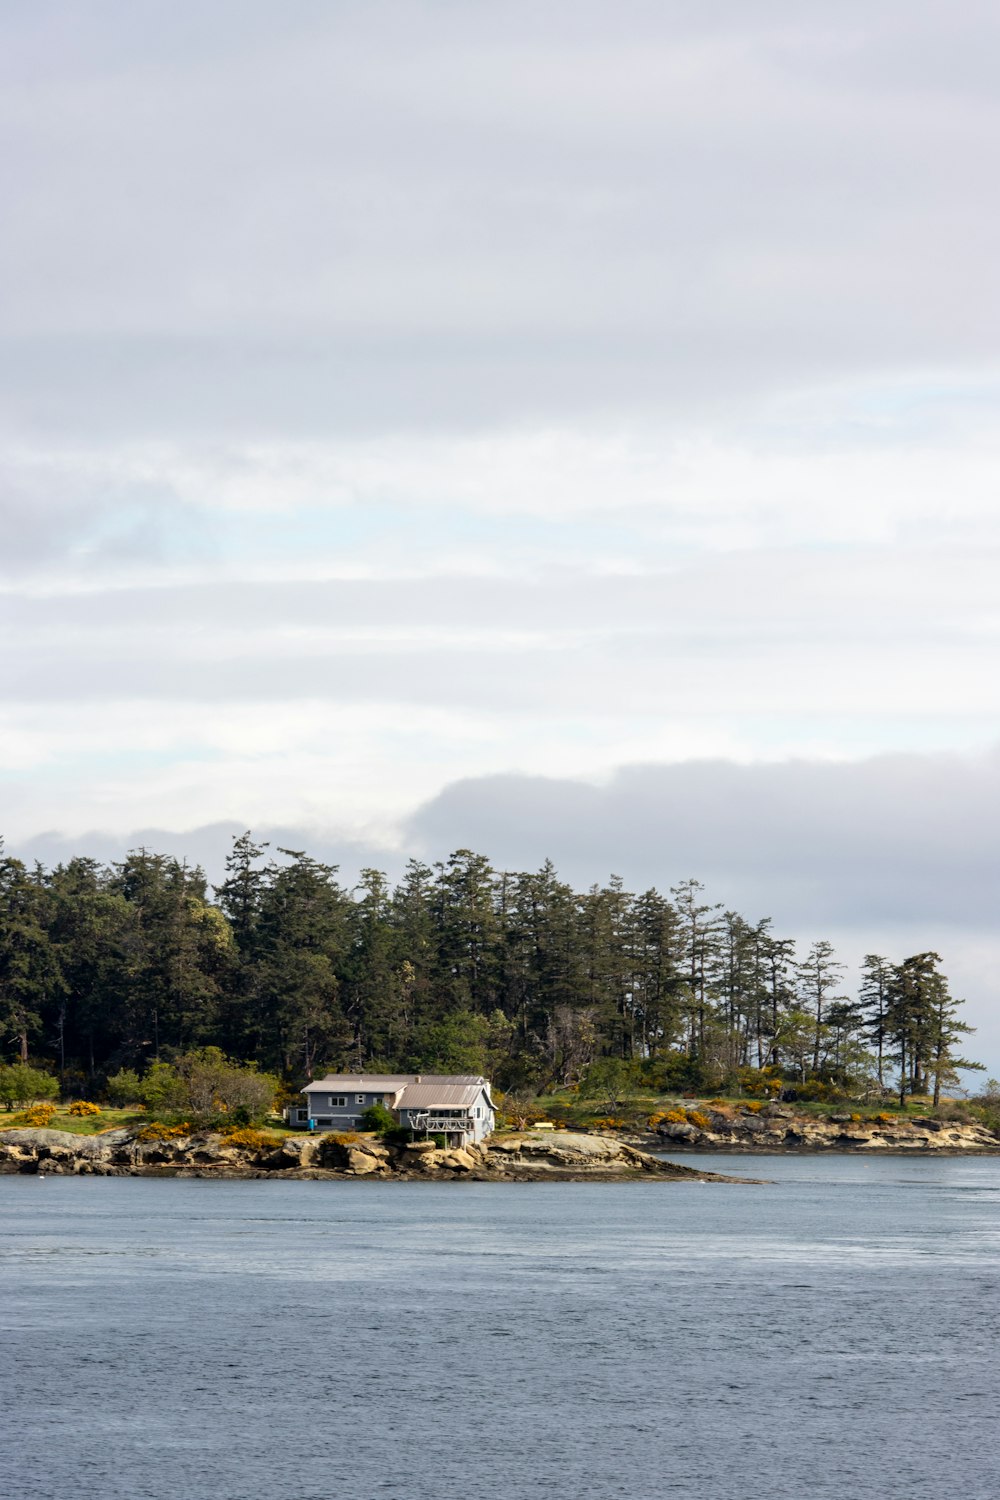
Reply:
x=459, y=967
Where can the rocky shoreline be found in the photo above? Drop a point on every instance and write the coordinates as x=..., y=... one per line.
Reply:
x=529, y=1156
x=525, y=1156
x=778, y=1129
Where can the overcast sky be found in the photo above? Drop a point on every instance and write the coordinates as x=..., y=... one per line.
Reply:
x=558, y=429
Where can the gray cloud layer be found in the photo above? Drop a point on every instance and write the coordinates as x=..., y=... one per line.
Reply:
x=888, y=841
x=891, y=840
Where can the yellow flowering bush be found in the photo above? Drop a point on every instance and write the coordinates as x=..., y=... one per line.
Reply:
x=157, y=1132
x=697, y=1119
x=82, y=1109
x=253, y=1140
x=37, y=1115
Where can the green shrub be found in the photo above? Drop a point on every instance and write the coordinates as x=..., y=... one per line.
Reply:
x=206, y=1086
x=379, y=1119
x=124, y=1088
x=955, y=1114
x=21, y=1086
x=813, y=1091
x=676, y=1073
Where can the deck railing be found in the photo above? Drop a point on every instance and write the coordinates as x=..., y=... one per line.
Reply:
x=439, y=1124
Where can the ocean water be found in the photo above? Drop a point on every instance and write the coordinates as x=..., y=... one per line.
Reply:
x=833, y=1334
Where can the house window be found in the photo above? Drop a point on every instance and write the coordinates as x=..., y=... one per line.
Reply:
x=359, y=1098
x=338, y=1101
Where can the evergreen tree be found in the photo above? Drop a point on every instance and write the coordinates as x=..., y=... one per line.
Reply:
x=873, y=1002
x=30, y=972
x=818, y=973
x=88, y=923
x=303, y=940
x=700, y=930
x=909, y=1018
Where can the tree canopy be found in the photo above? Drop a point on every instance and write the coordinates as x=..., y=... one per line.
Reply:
x=107, y=971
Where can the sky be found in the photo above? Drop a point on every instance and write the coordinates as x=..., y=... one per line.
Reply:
x=558, y=430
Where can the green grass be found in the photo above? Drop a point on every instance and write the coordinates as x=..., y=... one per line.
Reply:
x=111, y=1119
x=108, y=1119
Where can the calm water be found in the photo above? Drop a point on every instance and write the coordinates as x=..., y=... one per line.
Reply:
x=832, y=1335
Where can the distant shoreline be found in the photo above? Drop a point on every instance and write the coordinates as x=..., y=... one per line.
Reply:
x=782, y=1130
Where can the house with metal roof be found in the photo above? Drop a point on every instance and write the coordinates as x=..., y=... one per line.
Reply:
x=455, y=1105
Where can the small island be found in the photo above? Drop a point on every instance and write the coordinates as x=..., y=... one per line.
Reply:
x=464, y=1021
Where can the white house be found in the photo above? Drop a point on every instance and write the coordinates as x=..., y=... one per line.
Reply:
x=455, y=1105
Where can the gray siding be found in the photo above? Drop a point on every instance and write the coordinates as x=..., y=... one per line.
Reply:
x=346, y=1116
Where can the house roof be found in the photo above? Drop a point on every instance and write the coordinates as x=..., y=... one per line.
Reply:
x=367, y=1083
x=373, y=1083
x=445, y=1095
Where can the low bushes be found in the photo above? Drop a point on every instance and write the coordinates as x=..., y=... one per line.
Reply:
x=21, y=1086
x=378, y=1119
x=37, y=1115
x=157, y=1131
x=203, y=1085
x=252, y=1140
x=124, y=1088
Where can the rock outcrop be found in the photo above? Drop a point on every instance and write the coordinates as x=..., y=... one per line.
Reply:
x=562, y=1153
x=778, y=1128
x=526, y=1157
